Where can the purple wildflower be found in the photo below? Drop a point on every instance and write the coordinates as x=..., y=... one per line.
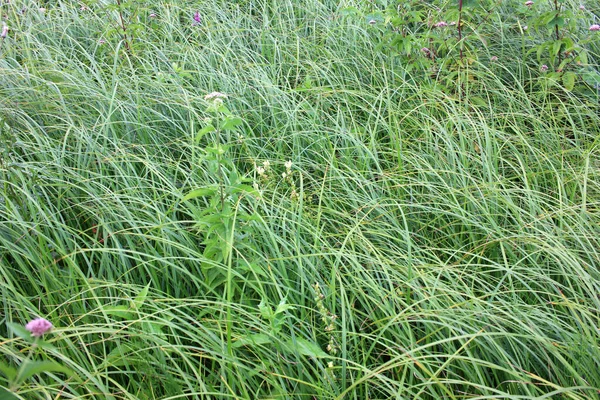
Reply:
x=441, y=24
x=544, y=68
x=372, y=22
x=529, y=3
x=152, y=15
x=38, y=326
x=4, y=32
x=595, y=27
x=197, y=19
x=494, y=58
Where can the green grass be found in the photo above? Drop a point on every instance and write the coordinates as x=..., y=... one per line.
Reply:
x=454, y=242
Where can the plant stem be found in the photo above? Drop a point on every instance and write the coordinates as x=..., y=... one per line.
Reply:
x=123, y=27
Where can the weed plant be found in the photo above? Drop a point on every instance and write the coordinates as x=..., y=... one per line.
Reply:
x=340, y=226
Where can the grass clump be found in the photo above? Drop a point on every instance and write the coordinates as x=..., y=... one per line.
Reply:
x=331, y=222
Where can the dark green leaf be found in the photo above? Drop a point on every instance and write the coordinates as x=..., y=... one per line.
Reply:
x=252, y=340
x=6, y=395
x=231, y=123
x=201, y=192
x=19, y=330
x=37, y=367
x=119, y=311
x=569, y=80
x=306, y=348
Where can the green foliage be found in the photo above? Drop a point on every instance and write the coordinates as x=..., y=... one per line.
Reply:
x=356, y=219
x=454, y=42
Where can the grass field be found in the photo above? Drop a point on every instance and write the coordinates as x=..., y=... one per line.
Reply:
x=339, y=226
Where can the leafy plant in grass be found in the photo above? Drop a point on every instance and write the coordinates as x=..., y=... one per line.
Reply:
x=564, y=52
x=224, y=215
x=130, y=22
x=30, y=366
x=447, y=40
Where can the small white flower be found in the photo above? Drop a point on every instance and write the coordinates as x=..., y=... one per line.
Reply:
x=215, y=95
x=260, y=171
x=288, y=165
x=283, y=175
x=266, y=164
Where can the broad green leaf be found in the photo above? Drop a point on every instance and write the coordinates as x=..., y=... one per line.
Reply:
x=556, y=21
x=141, y=297
x=8, y=371
x=582, y=57
x=469, y=3
x=200, y=134
x=244, y=189
x=569, y=80
x=478, y=101
x=252, y=340
x=119, y=311
x=349, y=11
x=592, y=78
x=307, y=348
x=19, y=330
x=281, y=307
x=556, y=47
x=231, y=123
x=546, y=18
x=6, y=395
x=266, y=311
x=37, y=367
x=201, y=192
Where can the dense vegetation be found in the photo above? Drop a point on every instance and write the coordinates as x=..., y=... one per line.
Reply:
x=312, y=199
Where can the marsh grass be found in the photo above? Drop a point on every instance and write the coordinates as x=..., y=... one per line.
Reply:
x=455, y=243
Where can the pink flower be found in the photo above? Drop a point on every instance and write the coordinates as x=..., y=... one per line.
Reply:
x=440, y=24
x=197, y=19
x=152, y=15
x=582, y=7
x=372, y=22
x=529, y=3
x=544, y=68
x=38, y=326
x=595, y=27
x=4, y=32
x=494, y=58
